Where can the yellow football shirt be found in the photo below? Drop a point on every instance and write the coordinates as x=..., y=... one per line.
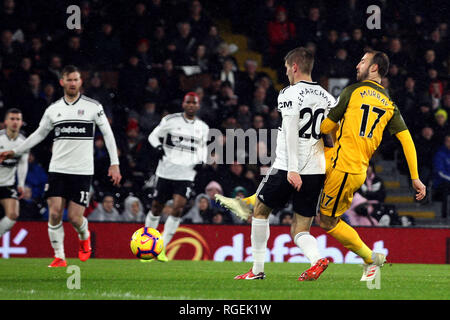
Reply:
x=365, y=110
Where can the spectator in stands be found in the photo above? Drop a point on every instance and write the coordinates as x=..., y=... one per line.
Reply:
x=144, y=55
x=311, y=28
x=227, y=100
x=407, y=97
x=221, y=53
x=32, y=103
x=213, y=188
x=396, y=54
x=264, y=13
x=227, y=74
x=105, y=212
x=441, y=128
x=198, y=20
x=37, y=53
x=200, y=212
x=373, y=188
x=208, y=111
x=10, y=50
x=134, y=211
x=169, y=80
x=36, y=177
x=19, y=77
x=75, y=54
x=281, y=32
x=446, y=102
x=235, y=176
x=340, y=66
x=244, y=117
x=49, y=94
x=247, y=81
x=154, y=92
x=200, y=58
x=355, y=46
x=426, y=145
x=422, y=116
x=131, y=80
x=138, y=24
x=212, y=40
x=107, y=50
x=159, y=45
x=98, y=92
x=271, y=94
x=53, y=72
x=259, y=103
x=328, y=47
x=360, y=212
x=441, y=181
x=149, y=117
x=436, y=90
x=185, y=43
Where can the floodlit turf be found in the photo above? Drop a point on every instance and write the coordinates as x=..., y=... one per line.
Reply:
x=25, y=278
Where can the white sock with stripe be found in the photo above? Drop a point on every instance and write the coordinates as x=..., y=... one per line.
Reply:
x=83, y=231
x=56, y=235
x=259, y=237
x=308, y=244
x=170, y=227
x=152, y=221
x=6, y=224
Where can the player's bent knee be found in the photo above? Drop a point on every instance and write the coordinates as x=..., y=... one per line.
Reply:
x=327, y=223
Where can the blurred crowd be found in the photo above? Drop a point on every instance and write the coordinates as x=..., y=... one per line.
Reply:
x=133, y=55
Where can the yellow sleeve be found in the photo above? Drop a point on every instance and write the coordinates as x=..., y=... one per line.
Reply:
x=410, y=152
x=327, y=126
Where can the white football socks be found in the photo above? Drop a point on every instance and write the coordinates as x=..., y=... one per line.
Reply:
x=56, y=235
x=152, y=221
x=259, y=237
x=170, y=227
x=6, y=224
x=83, y=231
x=308, y=244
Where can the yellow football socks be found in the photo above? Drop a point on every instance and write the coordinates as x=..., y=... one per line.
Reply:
x=250, y=200
x=350, y=239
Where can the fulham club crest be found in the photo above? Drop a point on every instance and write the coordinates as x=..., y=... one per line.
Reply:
x=81, y=112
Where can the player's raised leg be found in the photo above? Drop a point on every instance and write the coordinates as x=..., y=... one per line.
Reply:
x=80, y=224
x=259, y=235
x=241, y=207
x=308, y=244
x=56, y=207
x=11, y=208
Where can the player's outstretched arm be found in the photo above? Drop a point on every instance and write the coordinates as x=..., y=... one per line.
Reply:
x=411, y=158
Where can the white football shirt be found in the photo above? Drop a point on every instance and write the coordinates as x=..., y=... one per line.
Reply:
x=9, y=167
x=185, y=145
x=311, y=103
x=74, y=131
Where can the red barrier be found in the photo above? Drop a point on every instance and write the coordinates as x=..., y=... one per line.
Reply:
x=219, y=243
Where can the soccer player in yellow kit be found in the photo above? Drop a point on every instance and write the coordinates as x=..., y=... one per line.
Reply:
x=364, y=110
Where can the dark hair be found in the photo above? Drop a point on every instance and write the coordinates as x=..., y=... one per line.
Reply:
x=382, y=60
x=69, y=69
x=12, y=110
x=302, y=57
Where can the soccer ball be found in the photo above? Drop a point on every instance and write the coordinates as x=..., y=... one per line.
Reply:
x=146, y=243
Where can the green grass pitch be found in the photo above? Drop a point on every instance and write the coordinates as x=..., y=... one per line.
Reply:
x=26, y=278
